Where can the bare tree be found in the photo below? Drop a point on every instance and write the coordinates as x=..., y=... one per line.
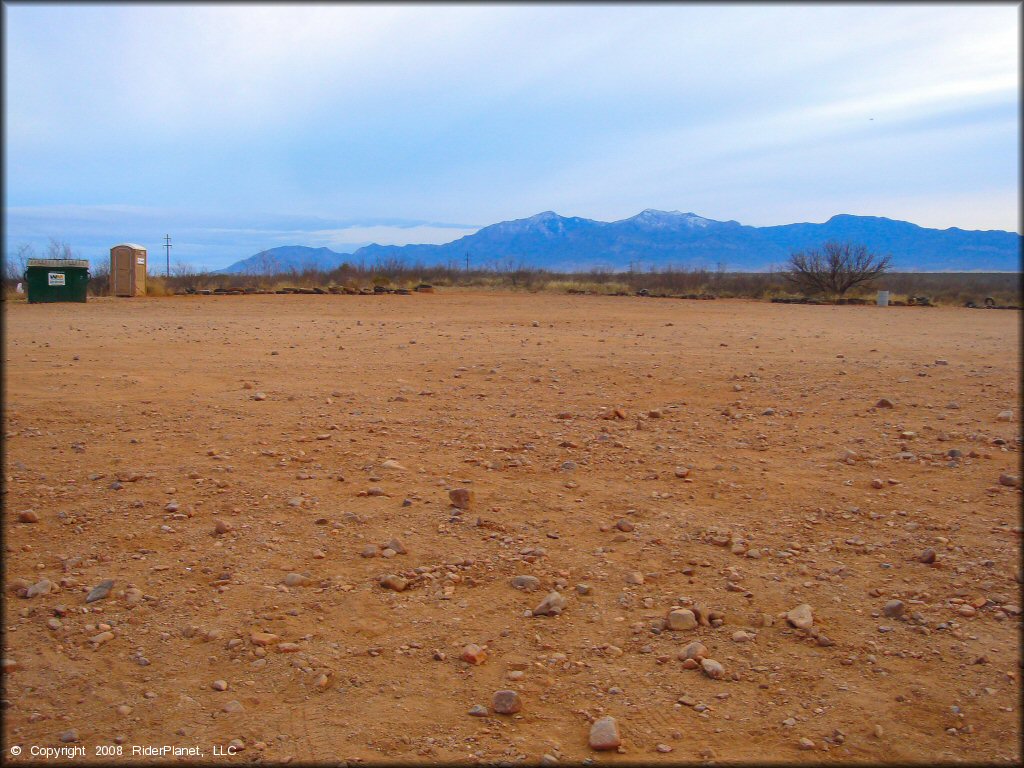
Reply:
x=14, y=267
x=58, y=249
x=835, y=268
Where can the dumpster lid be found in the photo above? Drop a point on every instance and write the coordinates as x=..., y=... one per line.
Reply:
x=57, y=263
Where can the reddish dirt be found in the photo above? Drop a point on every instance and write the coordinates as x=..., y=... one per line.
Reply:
x=494, y=392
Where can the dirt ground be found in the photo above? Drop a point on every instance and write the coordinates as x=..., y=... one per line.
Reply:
x=739, y=476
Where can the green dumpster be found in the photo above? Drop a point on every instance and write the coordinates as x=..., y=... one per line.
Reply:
x=49, y=280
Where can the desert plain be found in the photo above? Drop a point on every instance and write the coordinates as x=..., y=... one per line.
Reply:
x=314, y=510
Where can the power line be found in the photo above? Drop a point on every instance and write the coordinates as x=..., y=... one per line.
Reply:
x=168, y=246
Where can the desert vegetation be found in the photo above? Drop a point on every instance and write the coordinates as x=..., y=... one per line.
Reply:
x=948, y=288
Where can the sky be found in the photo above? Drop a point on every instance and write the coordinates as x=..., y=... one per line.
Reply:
x=235, y=128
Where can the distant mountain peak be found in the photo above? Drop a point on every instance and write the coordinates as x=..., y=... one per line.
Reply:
x=655, y=218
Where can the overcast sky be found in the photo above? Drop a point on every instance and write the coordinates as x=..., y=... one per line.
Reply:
x=241, y=127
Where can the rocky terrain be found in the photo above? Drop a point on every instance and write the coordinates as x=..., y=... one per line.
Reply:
x=475, y=527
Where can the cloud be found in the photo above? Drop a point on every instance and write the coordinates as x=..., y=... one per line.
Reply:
x=346, y=116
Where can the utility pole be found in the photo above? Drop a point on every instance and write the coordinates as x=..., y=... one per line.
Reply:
x=168, y=246
x=467, y=261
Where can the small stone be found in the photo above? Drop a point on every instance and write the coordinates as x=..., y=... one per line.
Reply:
x=884, y=403
x=800, y=617
x=101, y=638
x=232, y=707
x=894, y=609
x=124, y=710
x=396, y=546
x=259, y=396
x=1005, y=416
x=28, y=516
x=681, y=620
x=1011, y=481
x=506, y=702
x=806, y=743
x=635, y=577
x=876, y=483
x=392, y=581
x=41, y=587
x=474, y=654
x=478, y=710
x=742, y=637
x=287, y=648
x=222, y=527
x=219, y=685
x=525, y=583
x=927, y=557
x=552, y=605
x=663, y=748
x=263, y=639
x=604, y=734
x=370, y=550
x=8, y=664
x=100, y=591
x=69, y=736
x=695, y=651
x=461, y=497
x=387, y=553
x=582, y=589
x=296, y=580
x=625, y=525
x=712, y=669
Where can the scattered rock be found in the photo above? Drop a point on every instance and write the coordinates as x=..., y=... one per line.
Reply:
x=927, y=557
x=884, y=403
x=392, y=581
x=526, y=583
x=552, y=605
x=222, y=527
x=604, y=734
x=100, y=591
x=695, y=650
x=264, y=639
x=681, y=620
x=41, y=587
x=800, y=617
x=894, y=609
x=712, y=669
x=219, y=685
x=461, y=497
x=296, y=580
x=478, y=710
x=28, y=516
x=474, y=654
x=1005, y=416
x=506, y=702
x=1011, y=481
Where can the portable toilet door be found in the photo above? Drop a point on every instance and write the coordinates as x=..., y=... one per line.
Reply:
x=128, y=270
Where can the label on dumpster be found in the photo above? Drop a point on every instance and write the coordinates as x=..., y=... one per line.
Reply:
x=55, y=278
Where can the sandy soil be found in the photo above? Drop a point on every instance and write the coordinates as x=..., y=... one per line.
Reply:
x=276, y=414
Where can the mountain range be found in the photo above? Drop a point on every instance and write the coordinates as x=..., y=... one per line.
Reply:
x=663, y=239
